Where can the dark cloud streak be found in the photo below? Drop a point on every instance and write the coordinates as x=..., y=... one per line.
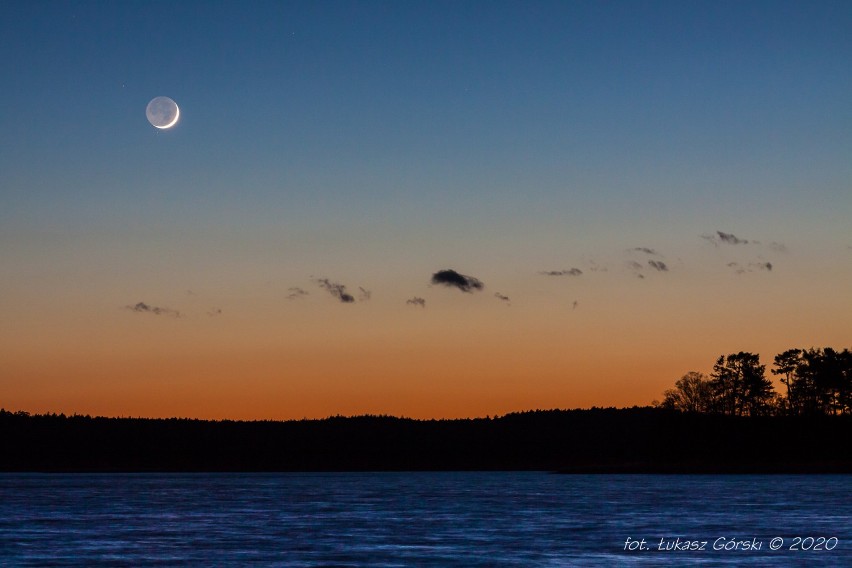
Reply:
x=730, y=238
x=646, y=250
x=335, y=289
x=143, y=308
x=726, y=238
x=750, y=267
x=453, y=279
x=569, y=272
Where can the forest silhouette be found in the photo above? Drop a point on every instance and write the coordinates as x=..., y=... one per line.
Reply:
x=730, y=422
x=817, y=381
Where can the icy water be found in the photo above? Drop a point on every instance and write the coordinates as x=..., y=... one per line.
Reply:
x=423, y=519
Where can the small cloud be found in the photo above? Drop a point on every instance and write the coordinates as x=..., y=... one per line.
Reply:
x=453, y=279
x=721, y=237
x=569, y=272
x=416, y=301
x=635, y=268
x=295, y=293
x=364, y=294
x=750, y=267
x=779, y=247
x=710, y=239
x=214, y=312
x=143, y=308
x=646, y=250
x=575, y=304
x=658, y=265
x=501, y=297
x=730, y=238
x=335, y=289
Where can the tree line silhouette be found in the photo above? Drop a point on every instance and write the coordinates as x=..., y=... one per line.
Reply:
x=596, y=440
x=817, y=381
x=732, y=421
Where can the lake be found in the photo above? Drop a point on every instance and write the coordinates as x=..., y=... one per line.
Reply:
x=424, y=519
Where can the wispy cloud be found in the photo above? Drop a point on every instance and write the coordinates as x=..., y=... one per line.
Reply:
x=143, y=308
x=646, y=250
x=568, y=272
x=721, y=237
x=294, y=293
x=364, y=294
x=710, y=239
x=416, y=301
x=335, y=289
x=779, y=247
x=658, y=265
x=750, y=267
x=502, y=297
x=635, y=268
x=453, y=279
x=737, y=267
x=575, y=304
x=214, y=312
x=731, y=239
x=595, y=267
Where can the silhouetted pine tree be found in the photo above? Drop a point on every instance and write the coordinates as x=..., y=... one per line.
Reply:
x=740, y=386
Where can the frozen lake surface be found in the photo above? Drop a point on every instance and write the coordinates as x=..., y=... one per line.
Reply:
x=423, y=519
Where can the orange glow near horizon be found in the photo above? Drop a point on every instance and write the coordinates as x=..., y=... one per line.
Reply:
x=453, y=361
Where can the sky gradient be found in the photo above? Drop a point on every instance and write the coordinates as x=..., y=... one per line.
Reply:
x=691, y=160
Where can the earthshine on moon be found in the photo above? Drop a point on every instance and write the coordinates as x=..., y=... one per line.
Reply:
x=162, y=112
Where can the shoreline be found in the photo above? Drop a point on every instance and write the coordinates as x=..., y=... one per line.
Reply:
x=605, y=441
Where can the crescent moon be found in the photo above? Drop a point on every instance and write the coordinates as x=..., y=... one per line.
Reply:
x=162, y=112
x=172, y=123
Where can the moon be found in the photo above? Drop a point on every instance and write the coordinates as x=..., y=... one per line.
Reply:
x=162, y=112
